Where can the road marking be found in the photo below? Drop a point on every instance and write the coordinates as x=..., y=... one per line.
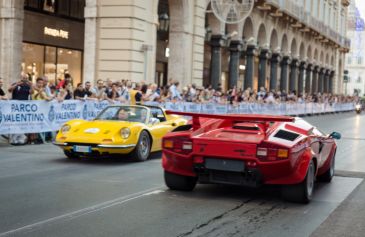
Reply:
x=84, y=211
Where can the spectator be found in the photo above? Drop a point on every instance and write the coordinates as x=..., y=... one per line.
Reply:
x=88, y=90
x=22, y=89
x=270, y=99
x=79, y=93
x=175, y=93
x=50, y=92
x=155, y=96
x=2, y=92
x=124, y=93
x=65, y=93
x=144, y=91
x=137, y=94
x=39, y=92
x=113, y=94
x=99, y=90
x=67, y=79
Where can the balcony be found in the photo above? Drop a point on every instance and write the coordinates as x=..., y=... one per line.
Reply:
x=306, y=20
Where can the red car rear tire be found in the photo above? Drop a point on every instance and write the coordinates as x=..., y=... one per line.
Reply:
x=179, y=182
x=302, y=192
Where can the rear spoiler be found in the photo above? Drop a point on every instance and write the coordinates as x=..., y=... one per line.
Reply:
x=238, y=117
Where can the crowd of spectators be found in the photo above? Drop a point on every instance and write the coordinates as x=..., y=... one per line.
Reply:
x=139, y=93
x=128, y=91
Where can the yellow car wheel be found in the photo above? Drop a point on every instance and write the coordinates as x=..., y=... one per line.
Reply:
x=143, y=147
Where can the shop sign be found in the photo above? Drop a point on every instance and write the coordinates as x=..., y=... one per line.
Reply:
x=56, y=33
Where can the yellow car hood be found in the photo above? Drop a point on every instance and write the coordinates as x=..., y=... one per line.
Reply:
x=100, y=132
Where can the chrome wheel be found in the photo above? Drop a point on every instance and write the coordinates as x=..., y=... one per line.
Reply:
x=144, y=146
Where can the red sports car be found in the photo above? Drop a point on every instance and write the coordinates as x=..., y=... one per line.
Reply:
x=249, y=150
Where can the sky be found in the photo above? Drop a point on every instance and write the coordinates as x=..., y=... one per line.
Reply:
x=361, y=6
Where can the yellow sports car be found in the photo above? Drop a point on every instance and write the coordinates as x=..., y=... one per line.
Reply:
x=118, y=130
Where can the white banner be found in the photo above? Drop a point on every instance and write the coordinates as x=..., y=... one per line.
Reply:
x=40, y=116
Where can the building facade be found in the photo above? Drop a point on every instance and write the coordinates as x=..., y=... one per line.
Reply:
x=284, y=44
x=355, y=59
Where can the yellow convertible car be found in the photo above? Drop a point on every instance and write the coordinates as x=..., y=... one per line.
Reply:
x=118, y=130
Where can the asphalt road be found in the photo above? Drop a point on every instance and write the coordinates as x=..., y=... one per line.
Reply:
x=44, y=194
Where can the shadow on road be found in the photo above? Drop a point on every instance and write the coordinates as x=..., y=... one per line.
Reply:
x=264, y=194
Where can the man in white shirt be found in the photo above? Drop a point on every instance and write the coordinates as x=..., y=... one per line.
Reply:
x=175, y=93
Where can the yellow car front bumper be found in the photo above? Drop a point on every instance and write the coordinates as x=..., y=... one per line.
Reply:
x=97, y=149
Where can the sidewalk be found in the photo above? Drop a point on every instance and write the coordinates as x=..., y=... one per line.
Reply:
x=347, y=219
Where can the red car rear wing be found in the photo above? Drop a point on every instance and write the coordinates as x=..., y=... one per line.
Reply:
x=238, y=117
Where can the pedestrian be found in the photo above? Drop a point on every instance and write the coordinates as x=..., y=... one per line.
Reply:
x=39, y=92
x=22, y=89
x=138, y=94
x=2, y=92
x=50, y=93
x=175, y=93
x=88, y=91
x=99, y=90
x=79, y=92
x=113, y=94
x=124, y=93
x=65, y=92
x=67, y=79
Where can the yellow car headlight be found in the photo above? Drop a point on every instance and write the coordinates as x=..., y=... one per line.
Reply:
x=125, y=133
x=65, y=128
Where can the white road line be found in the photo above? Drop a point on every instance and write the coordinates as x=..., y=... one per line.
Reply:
x=84, y=211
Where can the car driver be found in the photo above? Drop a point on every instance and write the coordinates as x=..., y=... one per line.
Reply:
x=123, y=115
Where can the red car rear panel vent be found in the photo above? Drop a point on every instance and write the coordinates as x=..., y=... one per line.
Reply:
x=286, y=135
x=246, y=126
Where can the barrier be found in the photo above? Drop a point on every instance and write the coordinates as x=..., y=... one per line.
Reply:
x=18, y=117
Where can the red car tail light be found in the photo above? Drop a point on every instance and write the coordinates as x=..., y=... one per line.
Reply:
x=261, y=152
x=271, y=154
x=179, y=145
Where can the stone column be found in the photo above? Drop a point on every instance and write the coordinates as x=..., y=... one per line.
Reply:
x=308, y=79
x=90, y=66
x=284, y=73
x=234, y=61
x=315, y=80
x=302, y=68
x=326, y=80
x=216, y=62
x=321, y=80
x=262, y=67
x=11, y=32
x=250, y=53
x=293, y=82
x=330, y=82
x=274, y=71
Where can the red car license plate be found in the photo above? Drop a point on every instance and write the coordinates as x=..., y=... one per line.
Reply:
x=225, y=165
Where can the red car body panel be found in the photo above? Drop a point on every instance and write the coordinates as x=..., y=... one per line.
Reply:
x=239, y=138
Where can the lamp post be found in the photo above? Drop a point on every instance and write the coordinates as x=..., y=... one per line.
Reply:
x=164, y=23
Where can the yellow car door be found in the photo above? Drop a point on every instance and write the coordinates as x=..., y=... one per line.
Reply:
x=159, y=130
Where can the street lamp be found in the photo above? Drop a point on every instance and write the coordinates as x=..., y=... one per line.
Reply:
x=164, y=22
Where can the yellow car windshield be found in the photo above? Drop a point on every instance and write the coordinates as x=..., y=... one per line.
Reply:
x=124, y=113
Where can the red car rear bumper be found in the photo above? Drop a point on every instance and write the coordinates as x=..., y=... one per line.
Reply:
x=278, y=172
